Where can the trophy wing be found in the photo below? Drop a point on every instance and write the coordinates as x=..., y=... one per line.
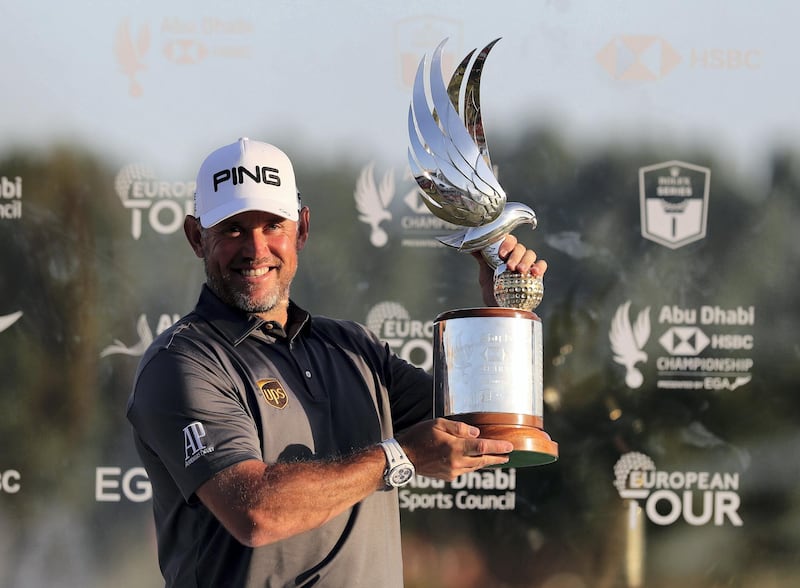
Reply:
x=448, y=158
x=475, y=238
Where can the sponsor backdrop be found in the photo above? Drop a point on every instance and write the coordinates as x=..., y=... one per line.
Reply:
x=657, y=143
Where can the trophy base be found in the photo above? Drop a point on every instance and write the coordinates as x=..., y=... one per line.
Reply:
x=532, y=446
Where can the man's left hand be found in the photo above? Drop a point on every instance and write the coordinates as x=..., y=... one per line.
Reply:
x=517, y=257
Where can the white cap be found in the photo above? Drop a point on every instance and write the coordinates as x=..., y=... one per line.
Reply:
x=242, y=176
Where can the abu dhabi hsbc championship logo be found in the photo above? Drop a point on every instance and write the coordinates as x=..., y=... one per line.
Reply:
x=694, y=348
x=673, y=201
x=698, y=497
x=177, y=41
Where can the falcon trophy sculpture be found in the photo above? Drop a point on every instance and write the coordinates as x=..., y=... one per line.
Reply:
x=450, y=161
x=487, y=362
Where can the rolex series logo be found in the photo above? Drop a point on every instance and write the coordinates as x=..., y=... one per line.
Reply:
x=273, y=393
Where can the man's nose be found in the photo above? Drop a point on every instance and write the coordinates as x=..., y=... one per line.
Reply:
x=256, y=245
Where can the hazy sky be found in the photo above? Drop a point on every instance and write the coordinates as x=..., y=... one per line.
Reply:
x=165, y=82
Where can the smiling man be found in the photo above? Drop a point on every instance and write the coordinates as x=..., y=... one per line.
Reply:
x=274, y=439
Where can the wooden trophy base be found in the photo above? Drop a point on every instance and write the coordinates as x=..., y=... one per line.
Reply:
x=532, y=446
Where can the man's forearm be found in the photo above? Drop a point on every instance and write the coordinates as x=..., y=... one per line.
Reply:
x=260, y=503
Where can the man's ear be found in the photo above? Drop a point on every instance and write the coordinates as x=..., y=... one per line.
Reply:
x=303, y=225
x=192, y=230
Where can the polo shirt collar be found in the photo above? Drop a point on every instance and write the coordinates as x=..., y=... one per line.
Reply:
x=236, y=325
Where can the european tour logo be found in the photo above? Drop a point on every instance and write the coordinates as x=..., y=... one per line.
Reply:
x=274, y=393
x=160, y=204
x=698, y=497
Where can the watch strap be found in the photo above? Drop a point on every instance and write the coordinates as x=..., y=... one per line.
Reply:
x=395, y=457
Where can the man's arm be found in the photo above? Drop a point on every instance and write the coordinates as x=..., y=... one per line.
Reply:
x=261, y=503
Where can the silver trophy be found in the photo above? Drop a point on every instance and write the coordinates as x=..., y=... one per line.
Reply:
x=487, y=361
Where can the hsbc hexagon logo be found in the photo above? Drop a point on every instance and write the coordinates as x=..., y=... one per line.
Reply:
x=638, y=57
x=684, y=341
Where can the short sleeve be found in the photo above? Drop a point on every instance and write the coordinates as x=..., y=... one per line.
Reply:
x=190, y=417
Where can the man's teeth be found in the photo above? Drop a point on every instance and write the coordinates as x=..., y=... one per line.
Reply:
x=254, y=273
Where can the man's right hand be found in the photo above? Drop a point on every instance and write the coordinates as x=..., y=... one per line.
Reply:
x=445, y=449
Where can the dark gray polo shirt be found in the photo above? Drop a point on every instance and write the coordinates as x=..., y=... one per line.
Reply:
x=220, y=387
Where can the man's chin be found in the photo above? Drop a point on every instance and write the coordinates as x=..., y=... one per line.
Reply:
x=255, y=305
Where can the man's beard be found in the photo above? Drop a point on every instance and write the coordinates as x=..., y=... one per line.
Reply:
x=242, y=299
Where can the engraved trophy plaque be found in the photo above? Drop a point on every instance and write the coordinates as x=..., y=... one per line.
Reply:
x=487, y=361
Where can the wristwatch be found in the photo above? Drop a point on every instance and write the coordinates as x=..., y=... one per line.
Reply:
x=399, y=469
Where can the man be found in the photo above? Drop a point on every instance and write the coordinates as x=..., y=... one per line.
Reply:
x=275, y=440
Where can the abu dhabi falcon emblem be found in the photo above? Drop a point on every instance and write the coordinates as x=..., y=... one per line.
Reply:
x=628, y=341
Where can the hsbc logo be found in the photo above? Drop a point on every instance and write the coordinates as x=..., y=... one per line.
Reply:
x=638, y=57
x=641, y=58
x=684, y=340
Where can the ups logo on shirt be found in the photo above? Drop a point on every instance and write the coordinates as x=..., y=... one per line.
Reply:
x=273, y=393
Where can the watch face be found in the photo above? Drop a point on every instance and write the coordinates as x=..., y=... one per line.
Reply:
x=400, y=475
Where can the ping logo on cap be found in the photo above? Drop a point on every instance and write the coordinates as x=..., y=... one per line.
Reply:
x=273, y=393
x=262, y=174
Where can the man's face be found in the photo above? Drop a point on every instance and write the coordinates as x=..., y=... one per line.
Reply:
x=251, y=259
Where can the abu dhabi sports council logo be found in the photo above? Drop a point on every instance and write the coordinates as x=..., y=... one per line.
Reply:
x=9, y=319
x=493, y=489
x=673, y=201
x=409, y=338
x=145, y=334
x=699, y=497
x=406, y=218
x=10, y=197
x=638, y=57
x=704, y=348
x=183, y=42
x=628, y=341
x=162, y=204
